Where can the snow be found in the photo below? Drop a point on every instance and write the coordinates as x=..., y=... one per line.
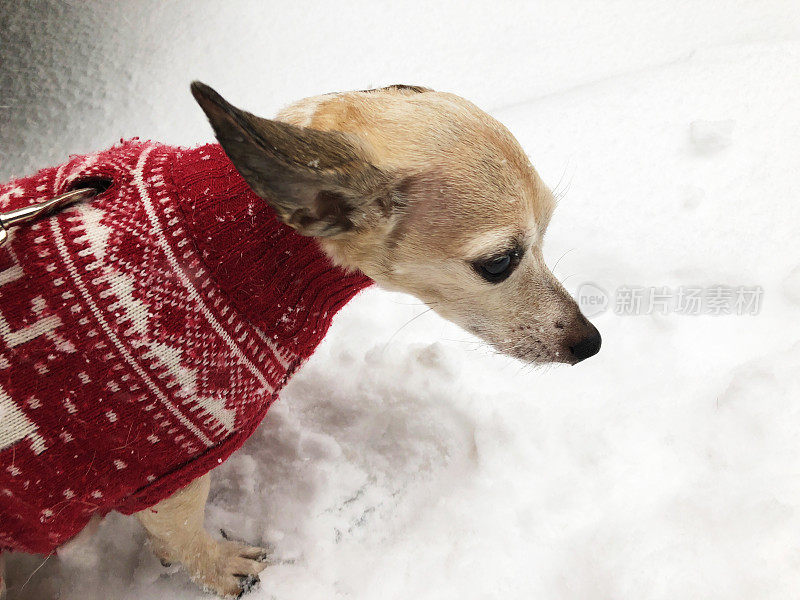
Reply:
x=406, y=459
x=712, y=136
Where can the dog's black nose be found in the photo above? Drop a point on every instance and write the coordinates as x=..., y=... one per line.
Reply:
x=588, y=346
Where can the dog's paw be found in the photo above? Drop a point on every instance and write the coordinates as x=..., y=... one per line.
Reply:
x=230, y=569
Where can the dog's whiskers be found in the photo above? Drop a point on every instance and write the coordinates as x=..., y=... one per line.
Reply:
x=46, y=558
x=411, y=320
x=555, y=266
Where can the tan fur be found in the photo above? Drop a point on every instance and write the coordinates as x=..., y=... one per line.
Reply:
x=177, y=534
x=412, y=187
x=468, y=183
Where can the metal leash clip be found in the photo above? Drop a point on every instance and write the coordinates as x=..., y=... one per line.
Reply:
x=28, y=214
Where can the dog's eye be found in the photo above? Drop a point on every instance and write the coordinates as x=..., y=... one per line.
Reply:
x=496, y=269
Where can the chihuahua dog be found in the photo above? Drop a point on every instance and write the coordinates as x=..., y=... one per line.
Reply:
x=421, y=192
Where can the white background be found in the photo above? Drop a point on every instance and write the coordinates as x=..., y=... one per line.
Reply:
x=407, y=461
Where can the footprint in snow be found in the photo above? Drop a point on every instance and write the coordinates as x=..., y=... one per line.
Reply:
x=709, y=137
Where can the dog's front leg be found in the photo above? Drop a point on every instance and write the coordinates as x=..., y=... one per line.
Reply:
x=177, y=533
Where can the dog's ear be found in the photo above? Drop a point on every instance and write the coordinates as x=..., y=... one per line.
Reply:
x=321, y=183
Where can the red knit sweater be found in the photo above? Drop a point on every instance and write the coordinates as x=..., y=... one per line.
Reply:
x=143, y=334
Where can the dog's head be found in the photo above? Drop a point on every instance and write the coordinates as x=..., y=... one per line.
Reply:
x=424, y=193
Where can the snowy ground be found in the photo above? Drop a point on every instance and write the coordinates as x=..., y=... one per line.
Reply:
x=406, y=460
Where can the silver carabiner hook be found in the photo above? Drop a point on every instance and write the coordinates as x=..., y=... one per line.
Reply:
x=28, y=214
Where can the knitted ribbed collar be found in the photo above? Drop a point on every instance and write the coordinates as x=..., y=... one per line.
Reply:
x=279, y=280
